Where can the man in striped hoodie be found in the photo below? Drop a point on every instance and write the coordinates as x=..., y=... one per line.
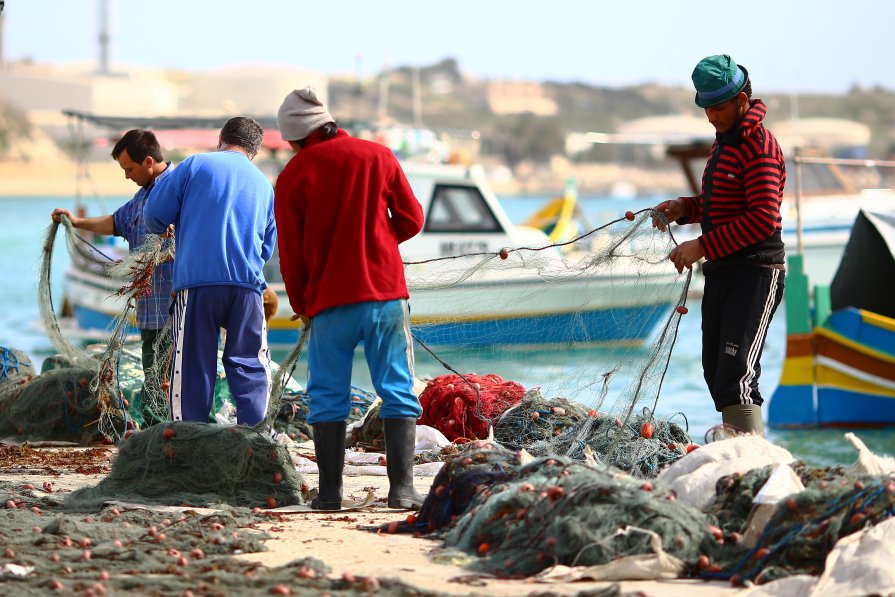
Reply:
x=739, y=214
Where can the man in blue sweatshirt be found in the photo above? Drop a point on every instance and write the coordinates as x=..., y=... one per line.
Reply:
x=222, y=208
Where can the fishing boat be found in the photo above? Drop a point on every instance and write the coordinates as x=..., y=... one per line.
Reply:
x=458, y=302
x=533, y=302
x=839, y=369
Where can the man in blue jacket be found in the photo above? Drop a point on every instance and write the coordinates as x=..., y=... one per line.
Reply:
x=222, y=208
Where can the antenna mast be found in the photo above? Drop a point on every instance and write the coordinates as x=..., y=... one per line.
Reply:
x=105, y=39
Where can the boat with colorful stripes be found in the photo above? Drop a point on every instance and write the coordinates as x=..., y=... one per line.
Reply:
x=839, y=369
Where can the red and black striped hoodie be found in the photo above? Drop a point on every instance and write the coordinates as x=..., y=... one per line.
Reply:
x=742, y=186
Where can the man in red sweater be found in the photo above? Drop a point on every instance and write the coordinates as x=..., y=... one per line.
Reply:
x=342, y=206
x=739, y=214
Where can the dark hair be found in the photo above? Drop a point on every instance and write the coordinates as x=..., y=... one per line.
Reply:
x=328, y=131
x=139, y=145
x=747, y=89
x=243, y=132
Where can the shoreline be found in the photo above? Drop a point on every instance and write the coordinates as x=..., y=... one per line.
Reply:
x=60, y=178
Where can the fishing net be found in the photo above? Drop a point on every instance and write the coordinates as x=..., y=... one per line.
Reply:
x=734, y=494
x=370, y=434
x=803, y=528
x=197, y=464
x=15, y=368
x=604, y=306
x=294, y=406
x=559, y=511
x=61, y=405
x=58, y=405
x=121, y=551
x=536, y=420
x=104, y=371
x=477, y=466
x=463, y=407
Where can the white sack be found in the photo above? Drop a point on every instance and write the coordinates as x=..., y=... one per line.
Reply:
x=694, y=476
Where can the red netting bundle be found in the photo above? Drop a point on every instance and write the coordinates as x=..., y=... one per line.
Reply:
x=464, y=409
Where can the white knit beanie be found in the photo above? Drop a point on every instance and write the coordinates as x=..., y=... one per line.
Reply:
x=301, y=114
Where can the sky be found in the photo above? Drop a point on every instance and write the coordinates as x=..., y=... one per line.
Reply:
x=789, y=46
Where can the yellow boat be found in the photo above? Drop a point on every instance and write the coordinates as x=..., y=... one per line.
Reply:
x=561, y=218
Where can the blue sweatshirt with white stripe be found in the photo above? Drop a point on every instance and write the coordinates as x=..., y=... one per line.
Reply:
x=221, y=206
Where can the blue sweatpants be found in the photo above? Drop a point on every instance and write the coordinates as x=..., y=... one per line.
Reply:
x=199, y=314
x=384, y=329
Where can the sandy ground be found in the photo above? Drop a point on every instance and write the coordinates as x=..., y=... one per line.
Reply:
x=337, y=540
x=341, y=541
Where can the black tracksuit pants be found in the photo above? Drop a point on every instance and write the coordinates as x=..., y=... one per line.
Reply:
x=737, y=307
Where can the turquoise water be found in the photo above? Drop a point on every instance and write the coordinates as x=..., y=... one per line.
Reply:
x=25, y=220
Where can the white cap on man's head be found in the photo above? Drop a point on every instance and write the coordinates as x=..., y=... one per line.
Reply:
x=301, y=114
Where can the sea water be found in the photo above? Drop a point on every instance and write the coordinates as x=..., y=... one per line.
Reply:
x=25, y=221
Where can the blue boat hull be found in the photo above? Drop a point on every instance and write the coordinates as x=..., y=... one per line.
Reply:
x=609, y=326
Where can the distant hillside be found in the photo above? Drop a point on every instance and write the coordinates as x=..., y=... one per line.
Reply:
x=451, y=99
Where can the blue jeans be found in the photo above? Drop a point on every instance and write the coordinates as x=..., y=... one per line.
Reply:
x=384, y=329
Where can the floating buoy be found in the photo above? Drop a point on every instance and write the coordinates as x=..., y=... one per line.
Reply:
x=504, y=253
x=683, y=310
x=629, y=215
x=646, y=431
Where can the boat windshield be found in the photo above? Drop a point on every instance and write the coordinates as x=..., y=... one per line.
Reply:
x=459, y=208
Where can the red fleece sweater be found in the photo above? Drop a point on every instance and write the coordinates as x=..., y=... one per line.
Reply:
x=342, y=206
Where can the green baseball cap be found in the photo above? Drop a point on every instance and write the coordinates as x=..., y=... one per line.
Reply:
x=718, y=79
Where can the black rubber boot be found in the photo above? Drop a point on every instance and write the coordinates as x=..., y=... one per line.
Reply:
x=400, y=440
x=745, y=417
x=329, y=447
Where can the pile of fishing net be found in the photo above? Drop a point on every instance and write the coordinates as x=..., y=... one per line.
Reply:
x=520, y=515
x=801, y=529
x=735, y=493
x=478, y=466
x=643, y=445
x=369, y=435
x=536, y=419
x=60, y=405
x=15, y=367
x=76, y=399
x=463, y=407
x=56, y=405
x=197, y=464
x=295, y=406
